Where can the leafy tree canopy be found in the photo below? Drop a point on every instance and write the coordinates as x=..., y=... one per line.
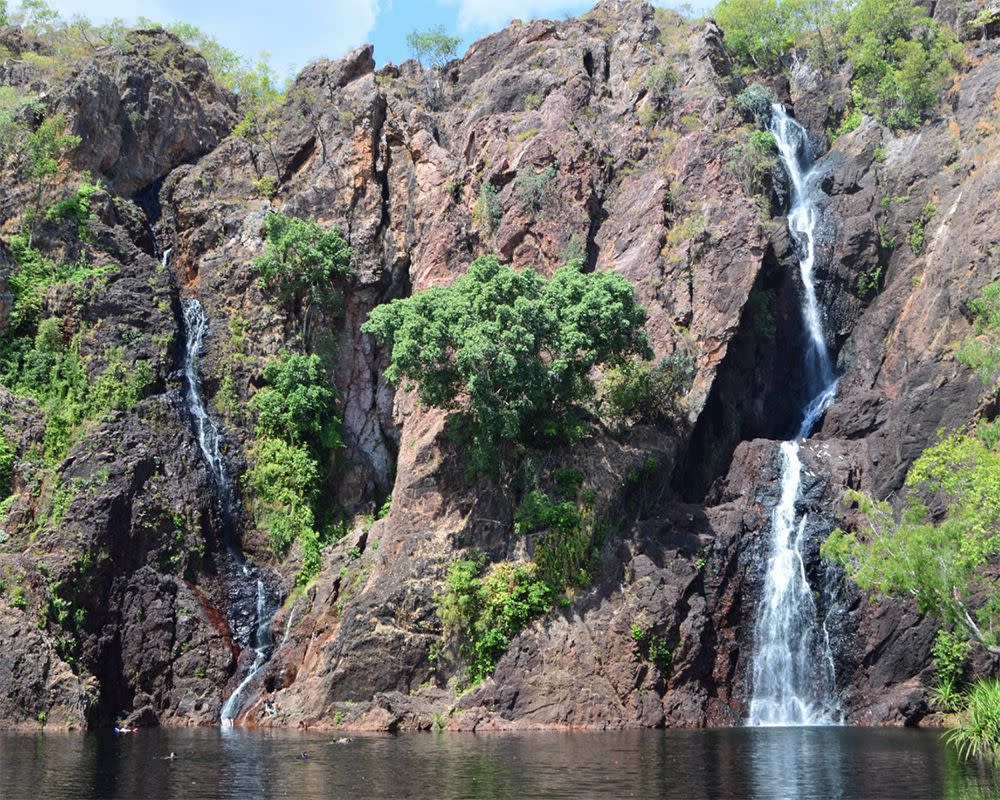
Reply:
x=938, y=560
x=513, y=349
x=301, y=259
x=297, y=404
x=902, y=59
x=433, y=47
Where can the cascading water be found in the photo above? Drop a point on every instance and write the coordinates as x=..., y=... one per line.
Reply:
x=205, y=429
x=793, y=672
x=251, y=624
x=263, y=646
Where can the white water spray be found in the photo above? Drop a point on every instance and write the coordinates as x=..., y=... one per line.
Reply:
x=209, y=441
x=205, y=429
x=793, y=674
x=262, y=648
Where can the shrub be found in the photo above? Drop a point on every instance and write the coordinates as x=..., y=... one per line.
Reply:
x=902, y=59
x=532, y=186
x=485, y=611
x=754, y=103
x=948, y=655
x=752, y=161
x=982, y=351
x=297, y=425
x=284, y=479
x=44, y=148
x=978, y=732
x=660, y=81
x=266, y=186
x=642, y=391
x=301, y=259
x=918, y=231
x=8, y=456
x=488, y=210
x=77, y=208
x=511, y=349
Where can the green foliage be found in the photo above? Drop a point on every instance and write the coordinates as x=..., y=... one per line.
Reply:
x=902, y=59
x=283, y=480
x=301, y=259
x=660, y=82
x=938, y=560
x=757, y=32
x=641, y=391
x=297, y=403
x=45, y=148
x=297, y=425
x=851, y=122
x=267, y=186
x=488, y=210
x=532, y=186
x=982, y=351
x=77, y=208
x=485, y=611
x=511, y=349
x=120, y=387
x=978, y=733
x=753, y=159
x=433, y=47
x=754, y=103
x=4, y=18
x=948, y=655
x=870, y=281
x=917, y=232
x=8, y=457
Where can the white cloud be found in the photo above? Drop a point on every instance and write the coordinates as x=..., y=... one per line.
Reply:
x=496, y=13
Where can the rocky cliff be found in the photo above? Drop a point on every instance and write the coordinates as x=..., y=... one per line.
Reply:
x=123, y=534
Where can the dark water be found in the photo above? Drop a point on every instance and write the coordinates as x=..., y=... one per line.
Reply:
x=760, y=763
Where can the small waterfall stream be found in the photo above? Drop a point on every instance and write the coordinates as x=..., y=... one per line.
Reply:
x=250, y=618
x=793, y=668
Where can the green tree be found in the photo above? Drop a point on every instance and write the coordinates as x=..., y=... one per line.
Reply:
x=902, y=59
x=297, y=404
x=433, y=47
x=301, y=260
x=511, y=349
x=939, y=560
x=283, y=482
x=45, y=148
x=757, y=32
x=4, y=18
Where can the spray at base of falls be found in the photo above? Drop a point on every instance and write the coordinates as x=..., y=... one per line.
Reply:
x=793, y=668
x=250, y=624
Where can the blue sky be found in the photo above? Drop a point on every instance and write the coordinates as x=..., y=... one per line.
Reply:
x=297, y=31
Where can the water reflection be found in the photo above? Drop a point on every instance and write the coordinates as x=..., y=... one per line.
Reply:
x=800, y=763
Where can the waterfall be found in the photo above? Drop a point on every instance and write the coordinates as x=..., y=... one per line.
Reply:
x=250, y=620
x=263, y=646
x=793, y=674
x=205, y=429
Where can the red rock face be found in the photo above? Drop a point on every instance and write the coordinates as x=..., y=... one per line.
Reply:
x=397, y=159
